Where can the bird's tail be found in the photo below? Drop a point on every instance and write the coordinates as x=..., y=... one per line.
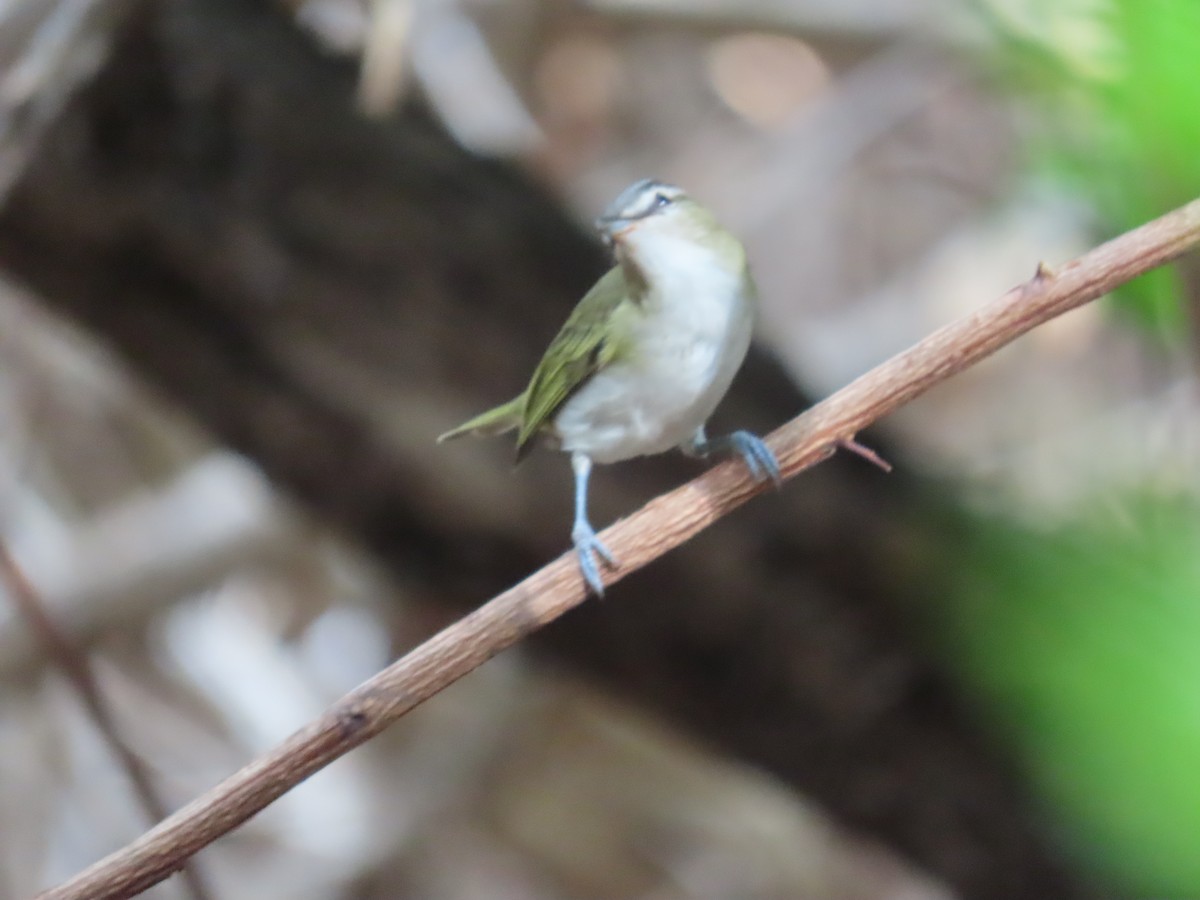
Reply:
x=504, y=418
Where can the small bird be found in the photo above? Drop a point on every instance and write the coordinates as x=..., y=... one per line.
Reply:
x=645, y=357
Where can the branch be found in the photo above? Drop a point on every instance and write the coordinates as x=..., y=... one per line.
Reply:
x=659, y=526
x=216, y=516
x=74, y=665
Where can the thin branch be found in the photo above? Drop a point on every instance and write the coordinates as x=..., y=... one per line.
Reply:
x=659, y=526
x=74, y=665
x=215, y=517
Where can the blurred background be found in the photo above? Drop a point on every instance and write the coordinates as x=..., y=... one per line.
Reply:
x=255, y=256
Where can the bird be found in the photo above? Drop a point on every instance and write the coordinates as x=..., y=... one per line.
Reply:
x=645, y=357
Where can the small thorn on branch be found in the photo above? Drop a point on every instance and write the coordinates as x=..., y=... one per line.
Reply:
x=849, y=443
x=1043, y=272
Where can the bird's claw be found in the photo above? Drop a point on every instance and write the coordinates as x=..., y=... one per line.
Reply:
x=758, y=457
x=588, y=547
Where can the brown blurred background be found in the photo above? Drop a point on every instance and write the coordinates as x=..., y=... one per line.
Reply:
x=256, y=256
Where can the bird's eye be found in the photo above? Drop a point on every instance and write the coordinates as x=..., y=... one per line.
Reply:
x=660, y=200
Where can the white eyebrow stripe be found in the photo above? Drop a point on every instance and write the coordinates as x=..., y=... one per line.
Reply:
x=644, y=203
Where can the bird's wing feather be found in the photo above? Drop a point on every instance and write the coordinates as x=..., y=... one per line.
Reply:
x=582, y=348
x=499, y=420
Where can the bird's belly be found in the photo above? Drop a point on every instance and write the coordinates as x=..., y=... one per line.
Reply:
x=631, y=409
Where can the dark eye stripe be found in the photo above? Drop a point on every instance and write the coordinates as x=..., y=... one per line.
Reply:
x=643, y=199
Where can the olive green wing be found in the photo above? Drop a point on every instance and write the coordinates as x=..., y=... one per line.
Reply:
x=585, y=345
x=500, y=420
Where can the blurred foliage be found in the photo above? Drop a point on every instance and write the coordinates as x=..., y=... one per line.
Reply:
x=1083, y=642
x=1117, y=84
x=1082, y=638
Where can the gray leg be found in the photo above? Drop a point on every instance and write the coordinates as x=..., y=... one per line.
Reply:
x=754, y=453
x=587, y=545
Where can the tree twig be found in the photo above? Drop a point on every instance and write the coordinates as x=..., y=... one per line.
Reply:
x=75, y=667
x=662, y=524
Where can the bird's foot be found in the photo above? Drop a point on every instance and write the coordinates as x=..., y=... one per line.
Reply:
x=757, y=456
x=588, y=547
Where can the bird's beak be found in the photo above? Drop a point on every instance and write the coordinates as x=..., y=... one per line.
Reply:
x=612, y=227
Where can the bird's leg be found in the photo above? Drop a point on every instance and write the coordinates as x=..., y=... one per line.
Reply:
x=754, y=453
x=587, y=545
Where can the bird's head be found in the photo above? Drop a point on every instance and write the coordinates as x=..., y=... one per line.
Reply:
x=654, y=219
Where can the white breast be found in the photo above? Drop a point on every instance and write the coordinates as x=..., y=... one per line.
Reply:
x=686, y=352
